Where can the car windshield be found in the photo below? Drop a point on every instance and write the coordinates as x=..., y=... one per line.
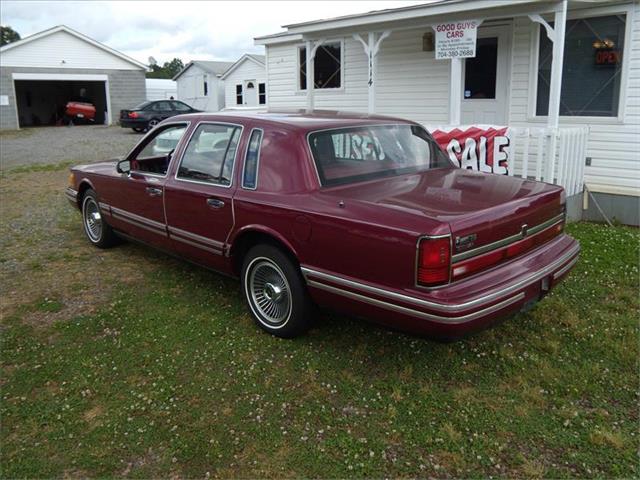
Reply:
x=141, y=106
x=354, y=154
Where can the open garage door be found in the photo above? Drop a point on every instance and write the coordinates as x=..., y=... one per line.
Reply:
x=42, y=101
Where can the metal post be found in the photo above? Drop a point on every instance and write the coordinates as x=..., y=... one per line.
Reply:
x=371, y=49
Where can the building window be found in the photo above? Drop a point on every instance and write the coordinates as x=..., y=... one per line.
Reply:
x=480, y=71
x=239, y=95
x=250, y=175
x=593, y=51
x=206, y=88
x=262, y=93
x=327, y=66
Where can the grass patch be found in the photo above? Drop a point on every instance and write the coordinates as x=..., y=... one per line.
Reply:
x=129, y=363
x=41, y=167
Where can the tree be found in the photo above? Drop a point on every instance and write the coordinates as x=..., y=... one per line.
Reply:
x=173, y=67
x=167, y=70
x=8, y=35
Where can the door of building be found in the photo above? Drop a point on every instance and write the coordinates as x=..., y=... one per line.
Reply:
x=485, y=79
x=250, y=93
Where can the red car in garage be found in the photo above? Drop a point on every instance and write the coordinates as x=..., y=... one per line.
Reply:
x=363, y=214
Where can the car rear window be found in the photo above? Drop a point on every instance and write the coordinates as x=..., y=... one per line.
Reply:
x=354, y=154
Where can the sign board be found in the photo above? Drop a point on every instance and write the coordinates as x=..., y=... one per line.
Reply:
x=4, y=100
x=456, y=39
x=480, y=148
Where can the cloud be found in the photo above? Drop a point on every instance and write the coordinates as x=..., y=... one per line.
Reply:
x=188, y=30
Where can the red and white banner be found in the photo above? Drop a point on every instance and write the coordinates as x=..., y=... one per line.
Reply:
x=477, y=147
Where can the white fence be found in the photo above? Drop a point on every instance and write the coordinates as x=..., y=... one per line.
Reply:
x=536, y=154
x=549, y=155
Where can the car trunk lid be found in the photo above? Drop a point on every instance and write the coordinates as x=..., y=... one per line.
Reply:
x=481, y=209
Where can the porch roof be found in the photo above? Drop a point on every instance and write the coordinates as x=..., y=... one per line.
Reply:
x=418, y=16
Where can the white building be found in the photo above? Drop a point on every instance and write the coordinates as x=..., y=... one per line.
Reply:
x=564, y=76
x=42, y=72
x=245, y=83
x=161, y=89
x=200, y=86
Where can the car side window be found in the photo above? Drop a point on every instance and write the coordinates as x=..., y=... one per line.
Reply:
x=155, y=155
x=162, y=107
x=181, y=107
x=210, y=154
x=251, y=161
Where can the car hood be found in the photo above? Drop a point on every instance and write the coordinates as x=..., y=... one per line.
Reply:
x=108, y=166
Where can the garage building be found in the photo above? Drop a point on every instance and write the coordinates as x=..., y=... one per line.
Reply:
x=40, y=73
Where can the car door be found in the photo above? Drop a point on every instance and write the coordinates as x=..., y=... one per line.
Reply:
x=163, y=109
x=137, y=208
x=199, y=193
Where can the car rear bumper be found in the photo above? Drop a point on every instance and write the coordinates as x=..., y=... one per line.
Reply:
x=459, y=308
x=133, y=122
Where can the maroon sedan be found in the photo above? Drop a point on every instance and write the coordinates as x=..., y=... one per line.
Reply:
x=362, y=214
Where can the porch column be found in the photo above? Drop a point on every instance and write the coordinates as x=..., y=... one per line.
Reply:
x=455, y=92
x=559, y=27
x=310, y=47
x=371, y=49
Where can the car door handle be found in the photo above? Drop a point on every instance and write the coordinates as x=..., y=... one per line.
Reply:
x=154, y=191
x=215, y=203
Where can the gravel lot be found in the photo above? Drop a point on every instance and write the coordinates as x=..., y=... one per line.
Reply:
x=82, y=144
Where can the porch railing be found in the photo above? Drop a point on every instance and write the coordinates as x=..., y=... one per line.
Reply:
x=531, y=156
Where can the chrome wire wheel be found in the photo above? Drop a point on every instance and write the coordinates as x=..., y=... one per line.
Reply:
x=92, y=219
x=270, y=295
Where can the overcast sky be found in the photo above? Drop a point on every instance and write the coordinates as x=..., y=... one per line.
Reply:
x=187, y=30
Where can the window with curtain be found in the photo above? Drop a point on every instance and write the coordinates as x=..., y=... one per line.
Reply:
x=327, y=66
x=593, y=53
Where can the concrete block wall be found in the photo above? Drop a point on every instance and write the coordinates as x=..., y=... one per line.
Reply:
x=126, y=89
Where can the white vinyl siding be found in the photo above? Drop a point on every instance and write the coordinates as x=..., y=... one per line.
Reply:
x=410, y=82
x=191, y=89
x=614, y=147
x=61, y=50
x=247, y=70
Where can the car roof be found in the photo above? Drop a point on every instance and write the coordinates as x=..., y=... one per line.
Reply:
x=298, y=119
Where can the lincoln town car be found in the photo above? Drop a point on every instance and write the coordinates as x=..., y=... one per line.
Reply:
x=361, y=214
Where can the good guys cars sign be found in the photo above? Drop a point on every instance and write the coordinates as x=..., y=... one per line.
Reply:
x=456, y=39
x=476, y=147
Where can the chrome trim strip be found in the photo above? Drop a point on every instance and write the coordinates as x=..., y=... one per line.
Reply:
x=417, y=313
x=105, y=207
x=140, y=225
x=135, y=219
x=508, y=240
x=71, y=193
x=566, y=268
x=197, y=245
x=173, y=231
x=188, y=141
x=440, y=306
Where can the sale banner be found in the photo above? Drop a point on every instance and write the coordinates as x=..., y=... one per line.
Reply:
x=476, y=147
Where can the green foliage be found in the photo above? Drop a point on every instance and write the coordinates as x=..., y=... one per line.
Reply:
x=8, y=35
x=167, y=70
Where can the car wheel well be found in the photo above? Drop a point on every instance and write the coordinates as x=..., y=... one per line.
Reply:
x=248, y=240
x=82, y=189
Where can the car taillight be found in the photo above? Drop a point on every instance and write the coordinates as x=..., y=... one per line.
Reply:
x=434, y=260
x=132, y=114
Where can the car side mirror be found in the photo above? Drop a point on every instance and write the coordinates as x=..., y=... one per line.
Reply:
x=123, y=166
